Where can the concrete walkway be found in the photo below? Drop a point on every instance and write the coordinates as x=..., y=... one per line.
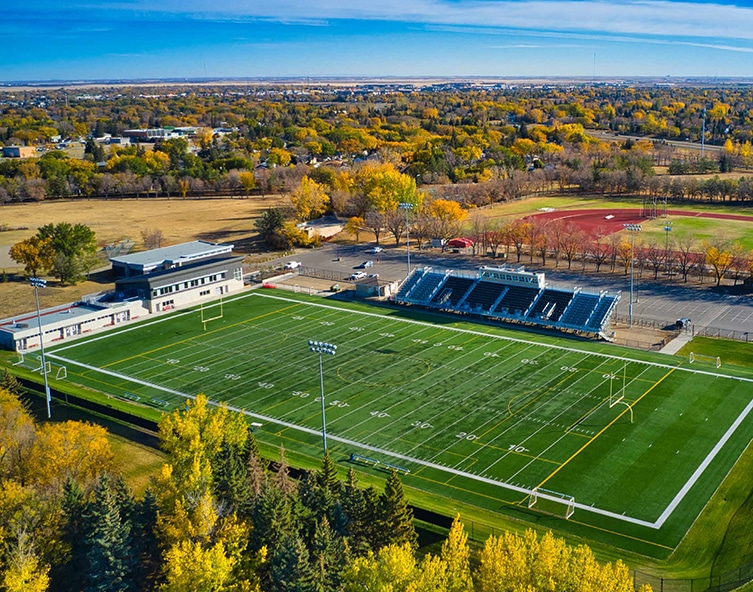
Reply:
x=676, y=344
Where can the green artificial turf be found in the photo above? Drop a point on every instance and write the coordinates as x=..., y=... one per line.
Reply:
x=472, y=413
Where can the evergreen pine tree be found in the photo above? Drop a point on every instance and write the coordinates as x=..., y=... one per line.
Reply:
x=351, y=517
x=108, y=540
x=69, y=574
x=290, y=568
x=10, y=383
x=329, y=556
x=146, y=549
x=231, y=476
x=327, y=477
x=395, y=517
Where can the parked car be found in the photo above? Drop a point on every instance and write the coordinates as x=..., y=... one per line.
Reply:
x=374, y=275
x=367, y=264
x=293, y=264
x=358, y=275
x=376, y=250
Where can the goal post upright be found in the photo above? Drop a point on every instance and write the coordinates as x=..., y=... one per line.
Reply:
x=205, y=320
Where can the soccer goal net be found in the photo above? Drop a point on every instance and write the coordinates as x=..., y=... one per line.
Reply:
x=551, y=502
x=708, y=359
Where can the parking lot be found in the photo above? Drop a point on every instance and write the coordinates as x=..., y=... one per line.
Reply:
x=661, y=302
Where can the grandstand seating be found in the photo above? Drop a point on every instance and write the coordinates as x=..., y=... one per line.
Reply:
x=507, y=301
x=453, y=290
x=604, y=307
x=550, y=305
x=517, y=300
x=484, y=295
x=425, y=288
x=580, y=309
x=410, y=283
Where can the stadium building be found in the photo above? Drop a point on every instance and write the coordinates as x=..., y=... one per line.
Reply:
x=151, y=282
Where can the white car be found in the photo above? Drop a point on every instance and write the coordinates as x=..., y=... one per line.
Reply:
x=358, y=275
x=376, y=250
x=293, y=264
x=367, y=264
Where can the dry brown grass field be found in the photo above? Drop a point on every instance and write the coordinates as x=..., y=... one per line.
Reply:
x=217, y=219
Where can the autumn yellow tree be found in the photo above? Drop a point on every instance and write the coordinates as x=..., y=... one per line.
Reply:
x=68, y=450
x=446, y=216
x=310, y=199
x=35, y=254
x=719, y=257
x=354, y=226
x=248, y=181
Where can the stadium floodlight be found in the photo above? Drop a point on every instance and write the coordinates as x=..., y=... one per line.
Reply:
x=407, y=206
x=39, y=283
x=321, y=348
x=633, y=229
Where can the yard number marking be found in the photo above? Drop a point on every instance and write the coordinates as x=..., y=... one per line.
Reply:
x=266, y=385
x=530, y=362
x=388, y=335
x=568, y=369
x=172, y=361
x=467, y=436
x=517, y=448
x=232, y=376
x=379, y=414
x=201, y=369
x=421, y=424
x=301, y=394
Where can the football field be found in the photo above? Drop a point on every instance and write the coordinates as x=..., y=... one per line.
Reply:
x=632, y=444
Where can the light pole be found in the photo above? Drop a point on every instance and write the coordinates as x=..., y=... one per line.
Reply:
x=633, y=229
x=407, y=206
x=667, y=229
x=40, y=283
x=320, y=347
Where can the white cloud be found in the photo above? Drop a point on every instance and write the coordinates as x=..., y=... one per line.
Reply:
x=644, y=17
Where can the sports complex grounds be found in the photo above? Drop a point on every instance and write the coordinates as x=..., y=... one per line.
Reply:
x=607, y=443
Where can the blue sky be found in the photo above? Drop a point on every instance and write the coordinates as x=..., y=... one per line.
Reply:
x=106, y=39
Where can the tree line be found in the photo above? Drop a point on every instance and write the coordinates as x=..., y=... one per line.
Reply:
x=512, y=141
x=540, y=240
x=217, y=518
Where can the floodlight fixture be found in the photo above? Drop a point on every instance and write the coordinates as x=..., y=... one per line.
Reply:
x=321, y=348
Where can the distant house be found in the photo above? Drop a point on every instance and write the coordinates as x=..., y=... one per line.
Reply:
x=19, y=151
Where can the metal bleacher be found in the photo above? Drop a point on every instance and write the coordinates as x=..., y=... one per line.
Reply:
x=484, y=295
x=580, y=309
x=517, y=300
x=410, y=282
x=510, y=295
x=425, y=288
x=551, y=304
x=453, y=290
x=603, y=309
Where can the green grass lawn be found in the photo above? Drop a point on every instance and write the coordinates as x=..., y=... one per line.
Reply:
x=738, y=353
x=476, y=414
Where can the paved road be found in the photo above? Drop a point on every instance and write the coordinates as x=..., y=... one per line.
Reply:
x=656, y=301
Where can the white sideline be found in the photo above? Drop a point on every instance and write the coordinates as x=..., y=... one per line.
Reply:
x=654, y=525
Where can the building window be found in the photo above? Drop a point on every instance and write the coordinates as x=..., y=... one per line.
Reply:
x=204, y=293
x=238, y=274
